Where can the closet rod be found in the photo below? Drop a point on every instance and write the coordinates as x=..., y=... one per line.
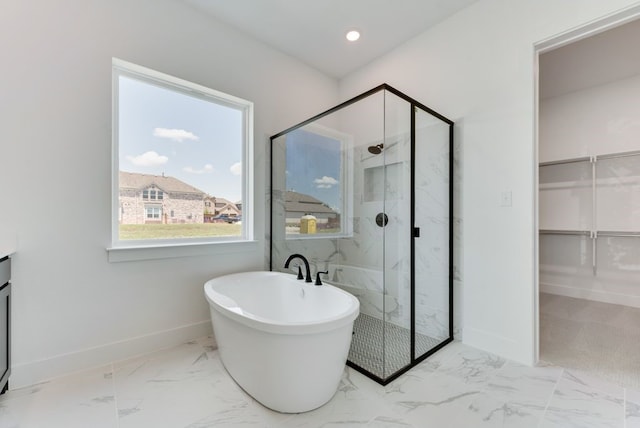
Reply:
x=563, y=161
x=619, y=234
x=619, y=155
x=565, y=232
x=588, y=158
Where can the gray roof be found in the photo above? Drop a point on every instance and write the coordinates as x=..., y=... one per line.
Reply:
x=132, y=180
x=299, y=202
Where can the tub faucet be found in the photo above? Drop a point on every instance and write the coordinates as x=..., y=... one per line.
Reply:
x=306, y=265
x=318, y=281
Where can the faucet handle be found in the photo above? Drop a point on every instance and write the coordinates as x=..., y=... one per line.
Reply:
x=300, y=272
x=318, y=282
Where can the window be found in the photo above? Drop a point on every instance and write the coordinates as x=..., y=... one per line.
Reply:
x=153, y=212
x=176, y=146
x=152, y=194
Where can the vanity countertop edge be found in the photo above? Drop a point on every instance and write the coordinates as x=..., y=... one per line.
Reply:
x=6, y=251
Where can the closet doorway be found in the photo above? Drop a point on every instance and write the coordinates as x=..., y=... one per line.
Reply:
x=589, y=205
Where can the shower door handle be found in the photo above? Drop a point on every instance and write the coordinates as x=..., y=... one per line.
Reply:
x=416, y=232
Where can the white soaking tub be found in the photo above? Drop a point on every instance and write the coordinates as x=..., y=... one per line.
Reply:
x=284, y=341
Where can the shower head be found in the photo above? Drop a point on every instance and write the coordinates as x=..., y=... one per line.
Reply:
x=376, y=150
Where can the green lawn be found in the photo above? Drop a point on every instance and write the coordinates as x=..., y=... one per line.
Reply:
x=172, y=231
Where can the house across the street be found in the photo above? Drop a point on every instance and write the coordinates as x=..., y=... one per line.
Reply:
x=160, y=199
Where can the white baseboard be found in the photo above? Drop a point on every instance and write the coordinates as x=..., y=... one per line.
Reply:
x=596, y=295
x=26, y=374
x=499, y=345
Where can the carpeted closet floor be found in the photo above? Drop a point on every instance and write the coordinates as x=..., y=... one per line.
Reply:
x=600, y=338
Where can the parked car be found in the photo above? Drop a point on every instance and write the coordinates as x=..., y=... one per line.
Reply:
x=226, y=218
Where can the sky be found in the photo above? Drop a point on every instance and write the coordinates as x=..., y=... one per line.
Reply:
x=313, y=166
x=196, y=141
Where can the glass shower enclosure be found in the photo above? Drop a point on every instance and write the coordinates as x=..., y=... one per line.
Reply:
x=364, y=192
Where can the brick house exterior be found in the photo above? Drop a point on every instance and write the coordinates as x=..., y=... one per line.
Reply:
x=145, y=198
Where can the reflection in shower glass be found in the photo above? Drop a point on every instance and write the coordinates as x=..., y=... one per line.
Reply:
x=349, y=190
x=314, y=181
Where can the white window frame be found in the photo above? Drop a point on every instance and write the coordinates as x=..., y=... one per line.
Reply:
x=127, y=250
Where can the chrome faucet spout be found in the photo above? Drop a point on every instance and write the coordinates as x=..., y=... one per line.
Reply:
x=306, y=265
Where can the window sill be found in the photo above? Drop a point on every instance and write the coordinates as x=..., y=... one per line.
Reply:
x=176, y=250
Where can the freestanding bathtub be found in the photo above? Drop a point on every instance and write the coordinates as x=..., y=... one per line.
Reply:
x=284, y=341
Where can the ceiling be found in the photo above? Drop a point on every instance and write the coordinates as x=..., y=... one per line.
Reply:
x=605, y=57
x=314, y=31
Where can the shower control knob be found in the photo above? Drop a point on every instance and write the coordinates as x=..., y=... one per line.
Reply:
x=382, y=219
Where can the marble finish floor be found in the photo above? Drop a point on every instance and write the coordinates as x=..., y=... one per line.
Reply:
x=600, y=338
x=459, y=386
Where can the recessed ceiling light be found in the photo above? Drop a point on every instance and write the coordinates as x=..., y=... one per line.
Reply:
x=353, y=35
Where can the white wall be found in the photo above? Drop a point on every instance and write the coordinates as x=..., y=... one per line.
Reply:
x=72, y=308
x=477, y=68
x=593, y=121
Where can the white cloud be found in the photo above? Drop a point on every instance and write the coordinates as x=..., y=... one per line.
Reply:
x=325, y=182
x=208, y=168
x=178, y=135
x=148, y=159
x=236, y=168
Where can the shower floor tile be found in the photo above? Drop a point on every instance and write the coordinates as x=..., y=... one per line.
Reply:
x=384, y=348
